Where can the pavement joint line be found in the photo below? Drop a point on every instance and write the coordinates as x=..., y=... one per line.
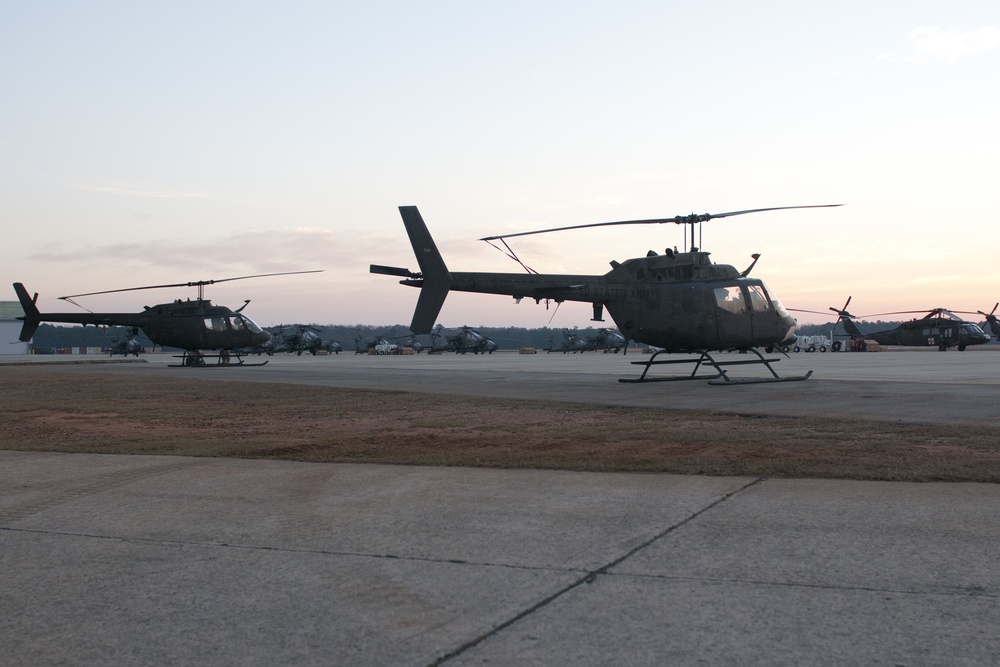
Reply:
x=952, y=591
x=590, y=577
x=318, y=552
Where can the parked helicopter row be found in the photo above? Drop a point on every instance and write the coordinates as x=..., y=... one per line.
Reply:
x=606, y=340
x=295, y=339
x=678, y=301
x=466, y=340
x=939, y=327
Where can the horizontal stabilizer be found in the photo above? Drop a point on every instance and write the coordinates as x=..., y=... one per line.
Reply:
x=393, y=271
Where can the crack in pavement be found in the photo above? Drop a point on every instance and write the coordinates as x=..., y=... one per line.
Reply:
x=589, y=577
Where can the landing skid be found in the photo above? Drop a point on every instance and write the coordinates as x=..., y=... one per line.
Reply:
x=720, y=377
x=195, y=359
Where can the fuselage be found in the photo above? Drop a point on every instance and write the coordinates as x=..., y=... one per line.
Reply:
x=940, y=331
x=189, y=325
x=680, y=301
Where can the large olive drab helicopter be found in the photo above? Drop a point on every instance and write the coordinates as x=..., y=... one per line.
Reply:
x=939, y=327
x=677, y=301
x=192, y=326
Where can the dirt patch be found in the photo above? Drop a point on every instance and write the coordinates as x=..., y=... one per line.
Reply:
x=43, y=409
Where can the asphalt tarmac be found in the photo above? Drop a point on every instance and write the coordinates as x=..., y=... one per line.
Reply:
x=168, y=560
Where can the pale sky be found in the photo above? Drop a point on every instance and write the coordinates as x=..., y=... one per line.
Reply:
x=147, y=143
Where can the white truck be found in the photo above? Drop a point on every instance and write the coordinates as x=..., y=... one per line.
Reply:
x=811, y=344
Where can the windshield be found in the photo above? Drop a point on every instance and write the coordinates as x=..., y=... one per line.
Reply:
x=245, y=323
x=778, y=308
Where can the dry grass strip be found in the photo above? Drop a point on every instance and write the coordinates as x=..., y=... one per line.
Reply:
x=42, y=410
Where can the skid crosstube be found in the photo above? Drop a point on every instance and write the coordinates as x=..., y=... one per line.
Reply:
x=719, y=378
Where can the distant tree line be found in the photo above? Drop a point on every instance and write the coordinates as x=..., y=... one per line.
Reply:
x=52, y=337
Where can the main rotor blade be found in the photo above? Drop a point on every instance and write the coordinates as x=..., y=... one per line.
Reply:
x=196, y=283
x=803, y=310
x=933, y=312
x=680, y=220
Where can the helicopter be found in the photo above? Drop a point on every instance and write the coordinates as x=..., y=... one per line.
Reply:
x=991, y=321
x=676, y=301
x=374, y=345
x=190, y=325
x=298, y=339
x=607, y=340
x=470, y=340
x=938, y=327
x=129, y=345
x=571, y=343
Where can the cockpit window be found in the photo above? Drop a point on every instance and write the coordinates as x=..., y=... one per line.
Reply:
x=249, y=324
x=778, y=308
x=758, y=298
x=215, y=323
x=730, y=299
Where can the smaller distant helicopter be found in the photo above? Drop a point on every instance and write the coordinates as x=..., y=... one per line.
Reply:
x=991, y=321
x=192, y=326
x=129, y=345
x=374, y=345
x=607, y=340
x=470, y=340
x=298, y=339
x=938, y=327
x=571, y=342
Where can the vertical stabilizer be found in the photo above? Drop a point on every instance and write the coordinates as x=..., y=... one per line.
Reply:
x=434, y=272
x=32, y=318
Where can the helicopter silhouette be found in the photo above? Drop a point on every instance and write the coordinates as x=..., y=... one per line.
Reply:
x=298, y=338
x=128, y=345
x=468, y=339
x=374, y=345
x=607, y=340
x=939, y=327
x=991, y=321
x=192, y=326
x=677, y=301
x=571, y=342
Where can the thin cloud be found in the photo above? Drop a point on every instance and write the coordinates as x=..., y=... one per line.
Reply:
x=133, y=192
x=261, y=251
x=946, y=45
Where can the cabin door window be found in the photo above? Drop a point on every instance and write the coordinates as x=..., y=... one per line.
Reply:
x=732, y=315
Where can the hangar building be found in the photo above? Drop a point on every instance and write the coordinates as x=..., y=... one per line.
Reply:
x=10, y=328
